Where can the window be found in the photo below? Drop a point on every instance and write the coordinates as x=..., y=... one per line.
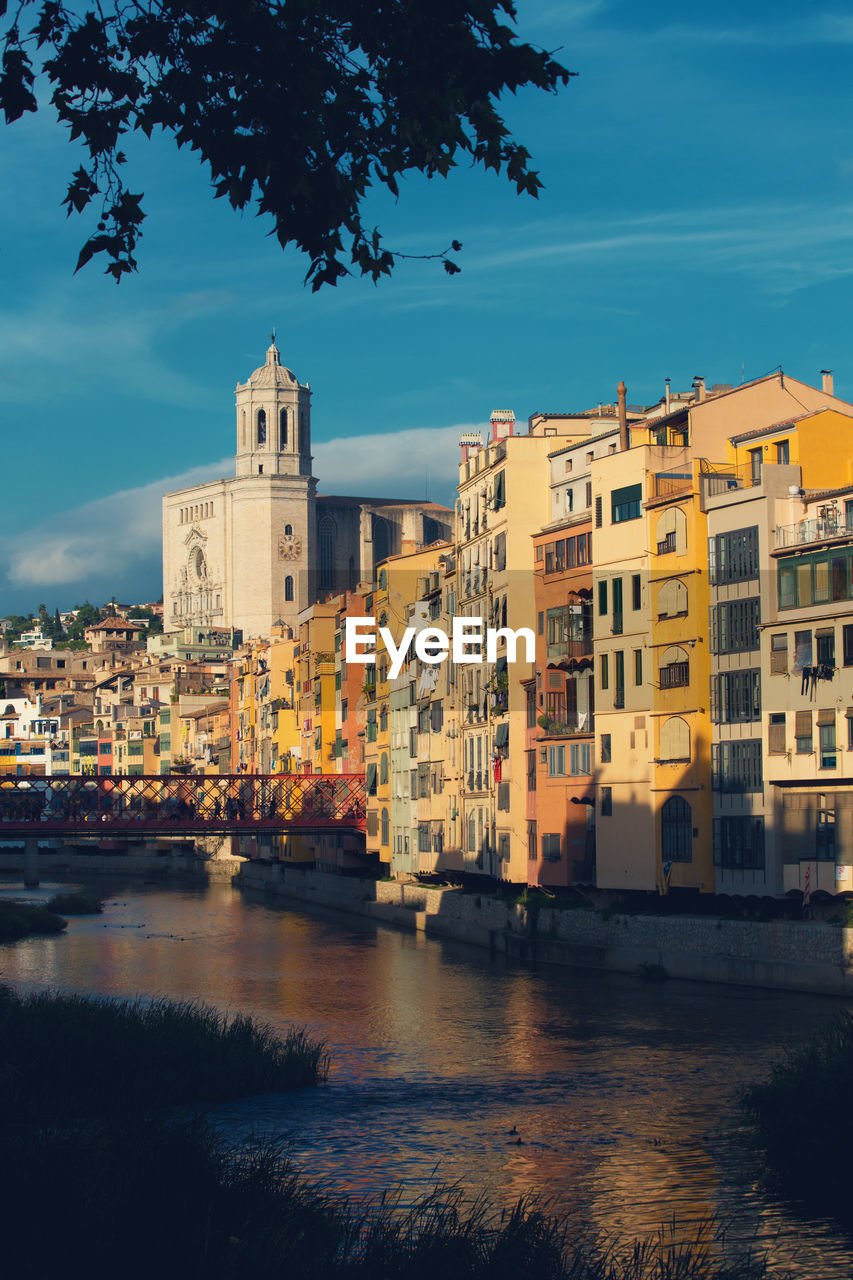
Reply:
x=676, y=830
x=826, y=739
x=261, y=427
x=739, y=843
x=371, y=780
x=625, y=504
x=556, y=762
x=588, y=495
x=671, y=535
x=602, y=598
x=288, y=588
x=638, y=667
x=776, y=736
x=672, y=599
x=850, y=729
x=736, y=697
x=756, y=457
x=825, y=831
x=606, y=802
x=825, y=639
x=499, y=498
x=814, y=578
x=734, y=626
x=736, y=766
x=551, y=848
x=783, y=453
x=803, y=732
x=598, y=512
x=674, y=739
x=847, y=642
x=531, y=769
x=532, y=842
x=385, y=829
x=503, y=796
x=344, y=708
x=779, y=654
x=605, y=673
x=617, y=606
x=733, y=556
x=636, y=591
x=383, y=768
x=605, y=748
x=580, y=758
x=619, y=678
x=282, y=429
x=802, y=650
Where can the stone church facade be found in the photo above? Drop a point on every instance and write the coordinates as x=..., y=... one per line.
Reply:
x=260, y=546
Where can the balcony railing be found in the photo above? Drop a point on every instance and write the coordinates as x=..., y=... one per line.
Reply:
x=819, y=530
x=675, y=676
x=665, y=484
x=619, y=696
x=667, y=546
x=581, y=648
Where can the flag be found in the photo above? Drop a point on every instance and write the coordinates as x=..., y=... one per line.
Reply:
x=666, y=872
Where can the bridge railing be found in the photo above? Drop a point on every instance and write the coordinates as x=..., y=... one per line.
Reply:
x=191, y=802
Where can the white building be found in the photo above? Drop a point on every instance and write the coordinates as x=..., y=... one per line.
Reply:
x=246, y=551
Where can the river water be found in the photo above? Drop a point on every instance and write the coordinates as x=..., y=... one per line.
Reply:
x=615, y=1099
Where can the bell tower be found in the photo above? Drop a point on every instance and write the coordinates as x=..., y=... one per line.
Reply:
x=273, y=421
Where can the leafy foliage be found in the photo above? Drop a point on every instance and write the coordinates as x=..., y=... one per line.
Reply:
x=296, y=108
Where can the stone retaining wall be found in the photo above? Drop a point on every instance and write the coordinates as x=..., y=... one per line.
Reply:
x=788, y=955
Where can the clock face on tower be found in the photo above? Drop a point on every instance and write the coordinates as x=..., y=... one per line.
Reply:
x=289, y=547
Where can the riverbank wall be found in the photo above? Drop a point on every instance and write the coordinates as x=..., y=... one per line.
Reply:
x=786, y=955
x=149, y=860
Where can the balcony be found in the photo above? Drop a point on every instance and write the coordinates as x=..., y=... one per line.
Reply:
x=667, y=546
x=666, y=484
x=831, y=525
x=675, y=676
x=583, y=722
x=579, y=648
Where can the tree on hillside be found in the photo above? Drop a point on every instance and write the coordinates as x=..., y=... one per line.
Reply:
x=155, y=622
x=298, y=109
x=87, y=614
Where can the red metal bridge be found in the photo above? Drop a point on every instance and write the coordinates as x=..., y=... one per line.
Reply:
x=181, y=805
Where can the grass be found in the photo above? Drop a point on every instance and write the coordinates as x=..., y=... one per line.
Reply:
x=70, y=1055
x=19, y=919
x=171, y=1200
x=803, y=1116
x=75, y=904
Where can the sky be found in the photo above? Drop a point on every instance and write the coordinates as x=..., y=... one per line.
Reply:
x=697, y=219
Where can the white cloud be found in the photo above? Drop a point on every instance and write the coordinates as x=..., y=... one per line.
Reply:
x=119, y=536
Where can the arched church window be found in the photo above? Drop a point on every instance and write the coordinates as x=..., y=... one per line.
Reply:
x=243, y=440
x=326, y=538
x=282, y=429
x=288, y=588
x=288, y=530
x=262, y=426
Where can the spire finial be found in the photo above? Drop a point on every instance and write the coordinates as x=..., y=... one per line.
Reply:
x=272, y=350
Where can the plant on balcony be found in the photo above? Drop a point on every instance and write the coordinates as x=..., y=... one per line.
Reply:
x=545, y=722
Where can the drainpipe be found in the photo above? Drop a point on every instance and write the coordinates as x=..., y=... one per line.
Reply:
x=621, y=392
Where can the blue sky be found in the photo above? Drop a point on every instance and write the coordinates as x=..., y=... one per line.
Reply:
x=697, y=218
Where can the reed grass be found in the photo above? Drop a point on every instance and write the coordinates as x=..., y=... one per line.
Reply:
x=803, y=1116
x=64, y=1055
x=142, y=1199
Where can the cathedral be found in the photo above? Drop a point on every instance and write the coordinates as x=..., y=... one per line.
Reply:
x=256, y=548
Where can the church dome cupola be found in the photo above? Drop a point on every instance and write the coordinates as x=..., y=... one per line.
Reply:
x=273, y=420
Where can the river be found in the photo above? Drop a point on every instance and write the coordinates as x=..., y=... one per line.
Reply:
x=615, y=1099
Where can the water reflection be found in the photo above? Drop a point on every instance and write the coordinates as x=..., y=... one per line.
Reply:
x=615, y=1099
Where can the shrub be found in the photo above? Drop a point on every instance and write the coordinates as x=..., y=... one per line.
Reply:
x=75, y=904
x=18, y=919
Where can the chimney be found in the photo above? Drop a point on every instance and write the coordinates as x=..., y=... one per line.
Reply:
x=827, y=382
x=668, y=398
x=699, y=388
x=621, y=392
